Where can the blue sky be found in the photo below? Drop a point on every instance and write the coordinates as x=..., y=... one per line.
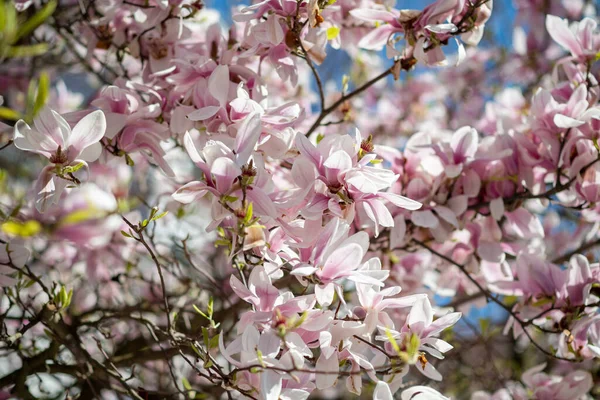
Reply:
x=337, y=63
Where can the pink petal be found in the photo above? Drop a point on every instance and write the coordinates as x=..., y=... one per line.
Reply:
x=218, y=84
x=247, y=137
x=559, y=30
x=190, y=192
x=88, y=131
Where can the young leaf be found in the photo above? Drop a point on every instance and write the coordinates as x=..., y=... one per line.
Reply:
x=42, y=15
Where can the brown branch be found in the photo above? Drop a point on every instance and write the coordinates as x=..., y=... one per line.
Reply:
x=490, y=297
x=326, y=111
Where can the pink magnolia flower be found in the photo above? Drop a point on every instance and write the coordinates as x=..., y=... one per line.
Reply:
x=374, y=301
x=132, y=125
x=257, y=349
x=392, y=24
x=334, y=256
x=537, y=278
x=223, y=167
x=579, y=38
x=583, y=341
x=86, y=218
x=66, y=148
x=269, y=303
x=420, y=323
x=338, y=162
x=573, y=386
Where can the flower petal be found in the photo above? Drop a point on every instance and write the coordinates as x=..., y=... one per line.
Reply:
x=87, y=132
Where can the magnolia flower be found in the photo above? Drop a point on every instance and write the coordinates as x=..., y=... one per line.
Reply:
x=341, y=164
x=68, y=150
x=420, y=325
x=543, y=386
x=577, y=38
x=335, y=256
x=373, y=303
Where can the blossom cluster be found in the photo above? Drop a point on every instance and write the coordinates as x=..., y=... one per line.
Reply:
x=218, y=220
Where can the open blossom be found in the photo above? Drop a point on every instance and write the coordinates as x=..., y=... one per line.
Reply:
x=342, y=180
x=539, y=385
x=579, y=38
x=423, y=30
x=334, y=256
x=421, y=327
x=280, y=211
x=52, y=137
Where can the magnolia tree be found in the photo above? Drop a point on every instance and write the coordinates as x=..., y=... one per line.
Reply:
x=191, y=209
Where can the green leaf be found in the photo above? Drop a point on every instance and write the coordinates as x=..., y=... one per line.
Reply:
x=64, y=297
x=127, y=235
x=43, y=90
x=26, y=51
x=8, y=114
x=159, y=216
x=200, y=311
x=249, y=214
x=392, y=340
x=22, y=229
x=129, y=160
x=42, y=15
x=213, y=342
x=8, y=22
x=229, y=199
x=210, y=307
x=259, y=356
x=196, y=350
x=413, y=346
x=484, y=324
x=30, y=100
x=69, y=298
x=69, y=169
